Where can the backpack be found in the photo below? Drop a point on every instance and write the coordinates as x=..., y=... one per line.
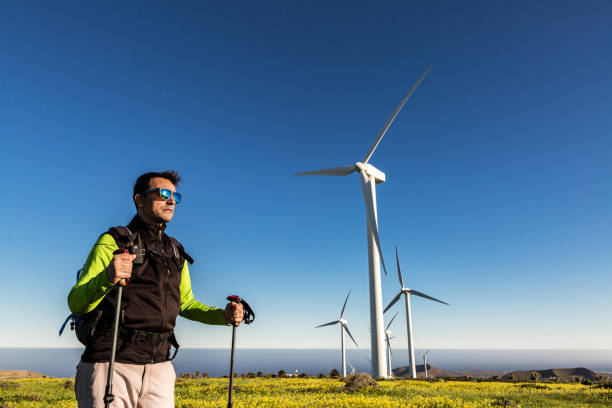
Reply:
x=84, y=324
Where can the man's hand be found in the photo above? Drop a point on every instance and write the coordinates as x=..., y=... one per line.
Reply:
x=234, y=313
x=120, y=268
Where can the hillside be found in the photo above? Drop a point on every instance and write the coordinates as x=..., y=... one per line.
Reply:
x=432, y=372
x=18, y=374
x=564, y=374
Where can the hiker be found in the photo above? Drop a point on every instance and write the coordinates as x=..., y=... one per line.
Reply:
x=156, y=288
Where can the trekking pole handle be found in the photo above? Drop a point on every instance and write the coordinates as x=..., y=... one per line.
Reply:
x=122, y=251
x=249, y=315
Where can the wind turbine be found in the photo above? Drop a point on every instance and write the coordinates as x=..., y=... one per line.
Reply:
x=387, y=338
x=425, y=361
x=407, y=292
x=370, y=175
x=343, y=327
x=352, y=368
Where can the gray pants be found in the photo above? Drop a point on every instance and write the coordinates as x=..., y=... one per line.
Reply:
x=134, y=385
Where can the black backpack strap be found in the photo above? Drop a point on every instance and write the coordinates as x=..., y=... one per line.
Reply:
x=174, y=344
x=123, y=236
x=179, y=251
x=127, y=240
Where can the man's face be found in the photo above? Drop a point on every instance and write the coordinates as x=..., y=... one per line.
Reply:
x=151, y=207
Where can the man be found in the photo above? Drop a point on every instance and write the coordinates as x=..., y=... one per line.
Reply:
x=156, y=289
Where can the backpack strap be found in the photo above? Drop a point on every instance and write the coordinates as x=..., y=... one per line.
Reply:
x=179, y=250
x=127, y=240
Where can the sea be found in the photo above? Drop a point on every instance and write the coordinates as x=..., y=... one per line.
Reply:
x=61, y=362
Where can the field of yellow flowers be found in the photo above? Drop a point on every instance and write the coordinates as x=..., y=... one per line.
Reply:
x=314, y=393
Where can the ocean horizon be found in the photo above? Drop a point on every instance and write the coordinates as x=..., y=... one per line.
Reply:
x=61, y=362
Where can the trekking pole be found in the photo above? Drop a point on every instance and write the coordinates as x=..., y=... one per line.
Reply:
x=108, y=393
x=249, y=316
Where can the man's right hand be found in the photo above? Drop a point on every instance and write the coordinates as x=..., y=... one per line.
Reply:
x=120, y=268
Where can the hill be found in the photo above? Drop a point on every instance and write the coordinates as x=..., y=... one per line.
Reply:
x=564, y=374
x=432, y=372
x=18, y=374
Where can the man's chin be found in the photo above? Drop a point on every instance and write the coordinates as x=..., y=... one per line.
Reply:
x=164, y=218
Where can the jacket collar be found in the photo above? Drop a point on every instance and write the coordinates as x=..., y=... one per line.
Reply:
x=138, y=224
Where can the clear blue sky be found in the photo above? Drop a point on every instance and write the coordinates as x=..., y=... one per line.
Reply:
x=498, y=168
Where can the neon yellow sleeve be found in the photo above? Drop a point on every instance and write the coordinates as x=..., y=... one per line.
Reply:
x=194, y=310
x=93, y=282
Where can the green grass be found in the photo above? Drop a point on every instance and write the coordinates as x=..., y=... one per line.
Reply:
x=314, y=393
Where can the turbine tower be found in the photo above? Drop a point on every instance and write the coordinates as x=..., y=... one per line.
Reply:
x=389, y=353
x=407, y=292
x=343, y=327
x=369, y=176
x=425, y=361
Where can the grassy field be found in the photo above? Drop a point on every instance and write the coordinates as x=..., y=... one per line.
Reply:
x=293, y=393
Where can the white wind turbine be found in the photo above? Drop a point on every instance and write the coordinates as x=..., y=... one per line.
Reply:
x=407, y=292
x=425, y=361
x=369, y=176
x=387, y=338
x=352, y=368
x=343, y=327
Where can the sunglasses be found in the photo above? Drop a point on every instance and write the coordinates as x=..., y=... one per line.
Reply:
x=165, y=194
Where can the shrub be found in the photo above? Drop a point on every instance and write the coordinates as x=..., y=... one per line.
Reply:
x=259, y=374
x=68, y=384
x=198, y=373
x=334, y=373
x=504, y=402
x=359, y=382
x=282, y=373
x=303, y=375
x=250, y=375
x=321, y=375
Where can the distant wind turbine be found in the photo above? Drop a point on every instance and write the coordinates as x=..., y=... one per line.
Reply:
x=425, y=361
x=352, y=368
x=389, y=353
x=343, y=327
x=407, y=292
x=370, y=175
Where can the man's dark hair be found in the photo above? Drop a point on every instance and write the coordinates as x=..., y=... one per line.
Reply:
x=142, y=182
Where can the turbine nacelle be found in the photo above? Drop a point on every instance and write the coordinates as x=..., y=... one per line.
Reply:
x=370, y=170
x=342, y=322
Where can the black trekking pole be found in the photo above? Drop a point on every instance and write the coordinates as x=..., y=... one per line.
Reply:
x=249, y=316
x=108, y=392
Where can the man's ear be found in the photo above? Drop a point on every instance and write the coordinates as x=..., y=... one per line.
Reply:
x=138, y=201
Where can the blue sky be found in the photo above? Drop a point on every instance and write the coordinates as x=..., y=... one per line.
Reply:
x=498, y=168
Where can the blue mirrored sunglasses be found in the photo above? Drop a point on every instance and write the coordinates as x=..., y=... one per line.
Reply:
x=165, y=194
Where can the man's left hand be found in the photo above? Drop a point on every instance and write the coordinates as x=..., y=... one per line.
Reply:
x=234, y=313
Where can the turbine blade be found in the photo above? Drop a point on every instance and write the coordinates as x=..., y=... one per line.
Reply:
x=399, y=271
x=347, y=296
x=368, y=194
x=391, y=321
x=417, y=293
x=351, y=336
x=385, y=127
x=395, y=299
x=334, y=171
x=328, y=324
